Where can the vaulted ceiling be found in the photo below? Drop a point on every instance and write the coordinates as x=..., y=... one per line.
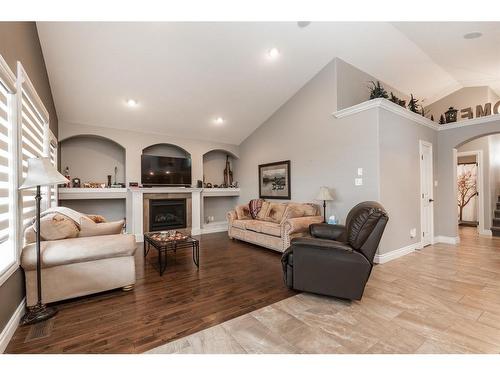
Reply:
x=184, y=75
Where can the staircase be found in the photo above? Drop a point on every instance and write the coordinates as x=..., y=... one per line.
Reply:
x=495, y=229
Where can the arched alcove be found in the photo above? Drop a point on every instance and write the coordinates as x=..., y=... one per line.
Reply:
x=166, y=149
x=214, y=162
x=92, y=158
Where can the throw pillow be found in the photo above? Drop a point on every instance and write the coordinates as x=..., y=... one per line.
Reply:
x=255, y=205
x=275, y=212
x=56, y=227
x=243, y=212
x=89, y=229
x=97, y=218
x=263, y=211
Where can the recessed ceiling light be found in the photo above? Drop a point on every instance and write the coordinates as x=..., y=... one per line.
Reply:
x=273, y=53
x=132, y=103
x=473, y=35
x=219, y=120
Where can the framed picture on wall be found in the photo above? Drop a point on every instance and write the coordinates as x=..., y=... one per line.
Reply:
x=274, y=180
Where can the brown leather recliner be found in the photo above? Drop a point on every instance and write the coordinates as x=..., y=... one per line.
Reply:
x=338, y=259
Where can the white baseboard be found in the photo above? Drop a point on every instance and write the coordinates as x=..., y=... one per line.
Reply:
x=384, y=258
x=486, y=232
x=220, y=226
x=447, y=239
x=11, y=326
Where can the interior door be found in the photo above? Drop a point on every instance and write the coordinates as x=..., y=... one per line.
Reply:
x=426, y=193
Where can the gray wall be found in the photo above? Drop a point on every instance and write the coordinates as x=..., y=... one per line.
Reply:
x=463, y=98
x=400, y=177
x=353, y=85
x=92, y=158
x=111, y=209
x=167, y=150
x=19, y=42
x=323, y=151
x=446, y=223
x=217, y=207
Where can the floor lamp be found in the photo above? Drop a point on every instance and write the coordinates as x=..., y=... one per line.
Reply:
x=40, y=173
x=324, y=195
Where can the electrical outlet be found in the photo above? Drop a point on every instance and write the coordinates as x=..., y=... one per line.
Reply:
x=413, y=232
x=358, y=181
x=360, y=171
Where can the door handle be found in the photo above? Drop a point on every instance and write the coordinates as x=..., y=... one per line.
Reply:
x=431, y=200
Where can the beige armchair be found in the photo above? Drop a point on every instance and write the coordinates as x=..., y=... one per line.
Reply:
x=78, y=266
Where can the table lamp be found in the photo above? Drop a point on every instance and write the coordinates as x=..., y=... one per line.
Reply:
x=40, y=173
x=324, y=195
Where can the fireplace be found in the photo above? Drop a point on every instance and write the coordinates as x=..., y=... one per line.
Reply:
x=166, y=214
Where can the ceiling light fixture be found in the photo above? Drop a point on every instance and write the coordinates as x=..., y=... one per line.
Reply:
x=132, y=103
x=303, y=24
x=219, y=120
x=473, y=35
x=273, y=53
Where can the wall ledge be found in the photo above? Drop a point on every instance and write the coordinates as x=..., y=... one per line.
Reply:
x=406, y=113
x=389, y=106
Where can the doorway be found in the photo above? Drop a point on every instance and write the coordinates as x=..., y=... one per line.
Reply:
x=470, y=194
x=426, y=194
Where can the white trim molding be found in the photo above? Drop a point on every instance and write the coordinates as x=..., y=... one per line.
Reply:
x=391, y=255
x=403, y=112
x=447, y=240
x=11, y=326
x=7, y=76
x=389, y=106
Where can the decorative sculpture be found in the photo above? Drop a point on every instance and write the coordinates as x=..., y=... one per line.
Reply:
x=228, y=173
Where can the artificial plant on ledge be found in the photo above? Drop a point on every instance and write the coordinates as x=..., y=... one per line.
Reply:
x=377, y=91
x=413, y=104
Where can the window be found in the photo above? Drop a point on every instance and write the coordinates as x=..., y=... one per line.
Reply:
x=33, y=123
x=8, y=242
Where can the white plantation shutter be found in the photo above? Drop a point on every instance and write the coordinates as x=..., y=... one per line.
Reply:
x=53, y=159
x=33, y=134
x=8, y=193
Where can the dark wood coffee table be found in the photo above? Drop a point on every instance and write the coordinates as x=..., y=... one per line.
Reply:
x=170, y=240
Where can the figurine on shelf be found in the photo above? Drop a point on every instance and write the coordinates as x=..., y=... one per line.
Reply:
x=66, y=174
x=228, y=173
x=76, y=183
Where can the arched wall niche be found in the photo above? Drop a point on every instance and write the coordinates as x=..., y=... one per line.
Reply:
x=214, y=162
x=92, y=158
x=166, y=149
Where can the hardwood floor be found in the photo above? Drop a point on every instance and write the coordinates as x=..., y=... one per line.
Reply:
x=442, y=299
x=234, y=278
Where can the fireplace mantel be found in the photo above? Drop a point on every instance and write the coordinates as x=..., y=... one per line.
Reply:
x=135, y=208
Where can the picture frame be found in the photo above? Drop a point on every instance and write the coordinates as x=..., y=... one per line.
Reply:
x=274, y=180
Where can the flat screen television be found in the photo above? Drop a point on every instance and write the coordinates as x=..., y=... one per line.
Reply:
x=163, y=170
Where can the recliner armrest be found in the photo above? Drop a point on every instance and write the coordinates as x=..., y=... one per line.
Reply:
x=327, y=231
x=319, y=243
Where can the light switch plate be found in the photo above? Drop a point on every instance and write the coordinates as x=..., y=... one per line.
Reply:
x=360, y=171
x=358, y=181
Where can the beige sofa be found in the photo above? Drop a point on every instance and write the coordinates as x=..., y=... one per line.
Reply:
x=78, y=266
x=275, y=224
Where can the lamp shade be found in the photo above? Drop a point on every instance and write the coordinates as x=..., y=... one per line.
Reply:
x=324, y=194
x=42, y=173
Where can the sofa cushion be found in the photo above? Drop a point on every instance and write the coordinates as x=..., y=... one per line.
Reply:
x=243, y=212
x=55, y=226
x=254, y=225
x=272, y=229
x=240, y=223
x=77, y=250
x=300, y=210
x=88, y=228
x=255, y=205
